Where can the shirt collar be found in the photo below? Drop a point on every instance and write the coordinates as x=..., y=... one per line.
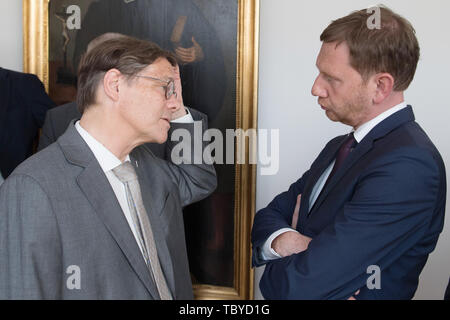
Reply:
x=105, y=158
x=365, y=128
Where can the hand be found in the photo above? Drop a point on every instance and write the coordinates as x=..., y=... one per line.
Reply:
x=296, y=210
x=352, y=297
x=176, y=105
x=290, y=243
x=190, y=55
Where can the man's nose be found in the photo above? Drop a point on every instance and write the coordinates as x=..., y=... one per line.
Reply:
x=317, y=89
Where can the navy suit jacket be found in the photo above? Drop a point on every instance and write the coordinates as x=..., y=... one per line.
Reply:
x=23, y=105
x=383, y=207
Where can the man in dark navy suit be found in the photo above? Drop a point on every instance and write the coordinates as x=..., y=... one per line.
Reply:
x=23, y=105
x=361, y=222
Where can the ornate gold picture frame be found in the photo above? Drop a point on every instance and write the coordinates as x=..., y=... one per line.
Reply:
x=37, y=32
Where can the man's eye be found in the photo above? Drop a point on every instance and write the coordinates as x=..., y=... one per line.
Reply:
x=327, y=77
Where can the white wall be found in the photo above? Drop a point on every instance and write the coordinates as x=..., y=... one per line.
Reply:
x=11, y=52
x=289, y=43
x=290, y=32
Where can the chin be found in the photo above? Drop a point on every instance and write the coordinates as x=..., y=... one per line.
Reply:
x=331, y=116
x=162, y=138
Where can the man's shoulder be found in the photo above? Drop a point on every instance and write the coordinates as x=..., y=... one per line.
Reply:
x=20, y=77
x=407, y=146
x=43, y=164
x=411, y=137
x=64, y=110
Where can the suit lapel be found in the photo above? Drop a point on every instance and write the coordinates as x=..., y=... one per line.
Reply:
x=98, y=191
x=153, y=200
x=382, y=129
x=315, y=175
x=360, y=150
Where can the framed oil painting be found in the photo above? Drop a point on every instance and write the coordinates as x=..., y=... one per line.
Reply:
x=216, y=45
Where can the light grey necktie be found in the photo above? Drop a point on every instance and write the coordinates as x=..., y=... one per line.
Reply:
x=126, y=173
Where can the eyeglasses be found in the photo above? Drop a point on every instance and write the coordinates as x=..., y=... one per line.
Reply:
x=169, y=87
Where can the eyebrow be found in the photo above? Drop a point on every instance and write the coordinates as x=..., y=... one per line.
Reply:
x=329, y=75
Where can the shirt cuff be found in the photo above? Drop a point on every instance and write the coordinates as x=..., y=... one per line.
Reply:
x=184, y=119
x=267, y=253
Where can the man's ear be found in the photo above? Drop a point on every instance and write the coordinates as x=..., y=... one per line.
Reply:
x=111, y=84
x=384, y=85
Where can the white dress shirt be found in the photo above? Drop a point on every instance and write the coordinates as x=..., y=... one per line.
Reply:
x=109, y=161
x=267, y=252
x=184, y=119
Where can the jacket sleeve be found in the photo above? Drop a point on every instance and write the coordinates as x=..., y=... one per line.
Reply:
x=390, y=211
x=277, y=215
x=185, y=164
x=30, y=251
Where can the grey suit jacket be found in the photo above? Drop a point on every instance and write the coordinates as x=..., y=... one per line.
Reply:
x=58, y=212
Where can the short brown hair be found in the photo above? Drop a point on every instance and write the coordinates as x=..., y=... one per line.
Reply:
x=393, y=48
x=126, y=54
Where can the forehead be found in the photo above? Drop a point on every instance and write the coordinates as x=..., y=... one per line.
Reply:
x=160, y=68
x=333, y=56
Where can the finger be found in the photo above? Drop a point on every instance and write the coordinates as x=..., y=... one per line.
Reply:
x=185, y=60
x=184, y=57
x=180, y=53
x=176, y=70
x=194, y=42
x=185, y=50
x=353, y=297
x=296, y=211
x=188, y=59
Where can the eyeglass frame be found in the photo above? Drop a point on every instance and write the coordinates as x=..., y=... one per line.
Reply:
x=168, y=93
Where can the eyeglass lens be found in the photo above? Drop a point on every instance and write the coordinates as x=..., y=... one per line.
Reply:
x=170, y=89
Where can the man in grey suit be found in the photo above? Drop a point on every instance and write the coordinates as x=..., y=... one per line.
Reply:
x=71, y=225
